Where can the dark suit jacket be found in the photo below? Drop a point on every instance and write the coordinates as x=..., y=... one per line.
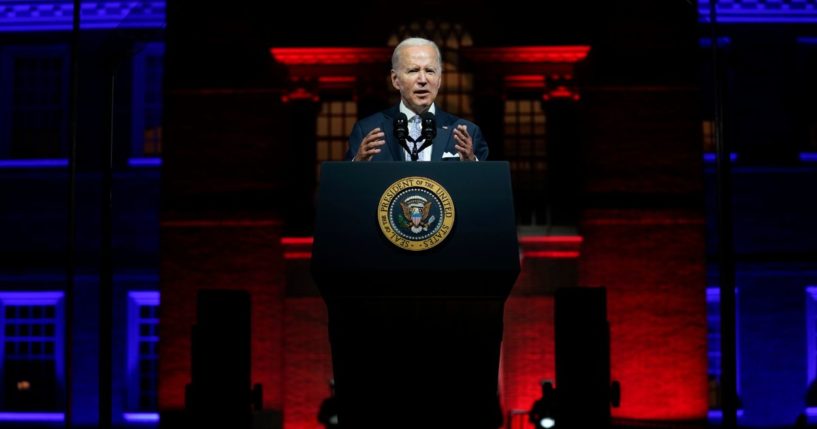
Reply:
x=392, y=151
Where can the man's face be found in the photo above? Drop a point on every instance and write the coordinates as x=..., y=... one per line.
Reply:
x=417, y=77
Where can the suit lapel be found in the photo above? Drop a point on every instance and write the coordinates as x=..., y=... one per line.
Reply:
x=443, y=139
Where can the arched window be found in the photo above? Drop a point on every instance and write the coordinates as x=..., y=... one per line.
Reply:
x=457, y=86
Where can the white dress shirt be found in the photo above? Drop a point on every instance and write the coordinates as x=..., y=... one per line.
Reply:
x=425, y=154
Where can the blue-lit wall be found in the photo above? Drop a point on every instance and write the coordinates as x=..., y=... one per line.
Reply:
x=118, y=38
x=774, y=237
x=760, y=11
x=57, y=15
x=768, y=122
x=33, y=258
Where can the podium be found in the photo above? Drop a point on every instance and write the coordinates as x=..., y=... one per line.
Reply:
x=415, y=261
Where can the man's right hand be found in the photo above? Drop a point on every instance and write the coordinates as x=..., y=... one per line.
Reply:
x=370, y=145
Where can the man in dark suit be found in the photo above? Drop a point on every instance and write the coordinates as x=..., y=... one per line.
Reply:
x=417, y=73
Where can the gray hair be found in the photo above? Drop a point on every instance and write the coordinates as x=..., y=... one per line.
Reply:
x=414, y=41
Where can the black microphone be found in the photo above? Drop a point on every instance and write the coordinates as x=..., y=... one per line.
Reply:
x=429, y=126
x=401, y=127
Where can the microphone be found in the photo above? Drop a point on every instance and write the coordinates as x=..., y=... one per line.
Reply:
x=401, y=131
x=429, y=126
x=401, y=127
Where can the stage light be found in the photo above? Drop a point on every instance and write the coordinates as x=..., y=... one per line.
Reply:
x=542, y=413
x=547, y=423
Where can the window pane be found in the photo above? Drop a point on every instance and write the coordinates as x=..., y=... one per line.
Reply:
x=143, y=382
x=334, y=125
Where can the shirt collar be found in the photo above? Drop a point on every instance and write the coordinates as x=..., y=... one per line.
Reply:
x=410, y=114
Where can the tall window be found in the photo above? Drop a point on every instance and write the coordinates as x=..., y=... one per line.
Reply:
x=33, y=101
x=31, y=355
x=457, y=86
x=455, y=94
x=525, y=143
x=143, y=356
x=335, y=122
x=708, y=132
x=148, y=69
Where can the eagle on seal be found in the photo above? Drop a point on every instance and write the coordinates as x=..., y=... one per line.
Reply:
x=416, y=213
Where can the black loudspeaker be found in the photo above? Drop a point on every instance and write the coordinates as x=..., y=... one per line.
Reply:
x=582, y=358
x=219, y=394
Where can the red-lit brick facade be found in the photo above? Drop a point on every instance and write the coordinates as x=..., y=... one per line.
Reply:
x=651, y=260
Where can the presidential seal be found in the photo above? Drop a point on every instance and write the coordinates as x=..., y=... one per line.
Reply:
x=415, y=213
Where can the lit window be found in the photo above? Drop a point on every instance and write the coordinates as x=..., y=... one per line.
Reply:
x=708, y=132
x=32, y=351
x=455, y=93
x=148, y=69
x=335, y=122
x=525, y=149
x=143, y=354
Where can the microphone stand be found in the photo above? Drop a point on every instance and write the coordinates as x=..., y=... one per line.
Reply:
x=405, y=146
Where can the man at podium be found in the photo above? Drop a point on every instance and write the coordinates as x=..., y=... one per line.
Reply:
x=415, y=130
x=414, y=287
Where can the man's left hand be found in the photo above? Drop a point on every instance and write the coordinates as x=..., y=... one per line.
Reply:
x=465, y=145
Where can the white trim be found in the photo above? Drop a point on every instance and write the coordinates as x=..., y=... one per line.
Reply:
x=31, y=298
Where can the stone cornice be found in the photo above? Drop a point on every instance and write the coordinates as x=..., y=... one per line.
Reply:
x=528, y=54
x=330, y=55
x=57, y=15
x=760, y=11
